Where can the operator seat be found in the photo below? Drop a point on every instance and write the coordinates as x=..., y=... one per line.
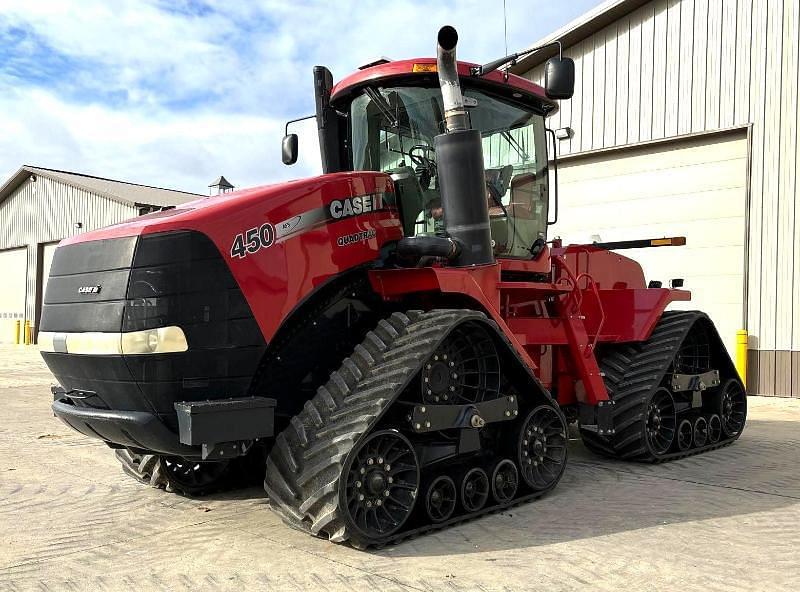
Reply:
x=410, y=198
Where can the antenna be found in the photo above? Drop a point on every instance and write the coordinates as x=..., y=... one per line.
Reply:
x=505, y=26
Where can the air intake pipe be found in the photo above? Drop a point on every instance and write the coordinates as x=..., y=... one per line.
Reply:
x=459, y=158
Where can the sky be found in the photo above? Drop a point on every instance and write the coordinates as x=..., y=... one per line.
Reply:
x=174, y=93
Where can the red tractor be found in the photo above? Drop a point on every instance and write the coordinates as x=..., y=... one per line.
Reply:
x=395, y=343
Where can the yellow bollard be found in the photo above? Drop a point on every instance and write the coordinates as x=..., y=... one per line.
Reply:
x=17, y=331
x=27, y=332
x=741, y=355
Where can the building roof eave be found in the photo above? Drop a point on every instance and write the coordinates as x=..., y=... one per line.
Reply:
x=577, y=30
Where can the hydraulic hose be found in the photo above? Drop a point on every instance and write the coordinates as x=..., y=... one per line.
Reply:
x=428, y=246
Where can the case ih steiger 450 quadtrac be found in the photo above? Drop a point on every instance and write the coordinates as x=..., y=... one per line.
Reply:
x=395, y=341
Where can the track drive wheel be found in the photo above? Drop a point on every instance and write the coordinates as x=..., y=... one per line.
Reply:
x=174, y=474
x=465, y=368
x=542, y=447
x=380, y=488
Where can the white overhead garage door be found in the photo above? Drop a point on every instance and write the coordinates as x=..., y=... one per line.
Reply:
x=694, y=188
x=48, y=250
x=13, y=271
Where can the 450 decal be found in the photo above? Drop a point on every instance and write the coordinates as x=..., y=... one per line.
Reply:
x=252, y=241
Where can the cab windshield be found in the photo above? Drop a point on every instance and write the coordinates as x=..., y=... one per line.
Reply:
x=392, y=130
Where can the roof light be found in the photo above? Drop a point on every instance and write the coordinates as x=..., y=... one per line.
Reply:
x=423, y=68
x=675, y=241
x=375, y=62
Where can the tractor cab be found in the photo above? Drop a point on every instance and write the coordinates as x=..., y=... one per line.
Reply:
x=385, y=117
x=391, y=129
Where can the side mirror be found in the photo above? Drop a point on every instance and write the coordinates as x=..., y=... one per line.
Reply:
x=559, y=78
x=289, y=149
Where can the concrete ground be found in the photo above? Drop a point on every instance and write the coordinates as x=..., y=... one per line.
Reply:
x=70, y=520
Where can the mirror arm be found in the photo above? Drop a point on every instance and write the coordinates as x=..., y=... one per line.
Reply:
x=286, y=127
x=512, y=59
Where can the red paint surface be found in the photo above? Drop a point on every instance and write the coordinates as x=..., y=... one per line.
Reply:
x=405, y=67
x=275, y=279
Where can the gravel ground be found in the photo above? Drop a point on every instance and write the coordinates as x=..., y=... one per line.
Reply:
x=70, y=520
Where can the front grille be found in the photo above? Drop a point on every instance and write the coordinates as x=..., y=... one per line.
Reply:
x=159, y=280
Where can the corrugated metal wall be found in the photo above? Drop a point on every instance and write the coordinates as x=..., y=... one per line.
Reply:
x=45, y=211
x=675, y=67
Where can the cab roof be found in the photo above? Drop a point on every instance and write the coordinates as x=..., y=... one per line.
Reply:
x=403, y=68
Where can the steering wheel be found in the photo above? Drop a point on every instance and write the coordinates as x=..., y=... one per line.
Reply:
x=420, y=160
x=425, y=166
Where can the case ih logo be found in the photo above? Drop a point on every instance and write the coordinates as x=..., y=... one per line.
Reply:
x=89, y=290
x=353, y=206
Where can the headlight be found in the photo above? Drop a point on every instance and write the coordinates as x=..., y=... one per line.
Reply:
x=150, y=341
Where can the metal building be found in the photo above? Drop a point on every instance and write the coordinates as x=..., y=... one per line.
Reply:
x=38, y=208
x=685, y=122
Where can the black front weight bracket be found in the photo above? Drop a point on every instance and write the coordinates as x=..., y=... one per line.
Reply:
x=432, y=418
x=225, y=428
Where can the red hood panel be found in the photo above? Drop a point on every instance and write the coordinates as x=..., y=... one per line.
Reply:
x=300, y=234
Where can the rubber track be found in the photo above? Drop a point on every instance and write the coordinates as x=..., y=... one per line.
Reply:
x=304, y=466
x=147, y=469
x=631, y=372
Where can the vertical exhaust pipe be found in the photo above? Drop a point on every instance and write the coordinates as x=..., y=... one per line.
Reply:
x=459, y=156
x=455, y=116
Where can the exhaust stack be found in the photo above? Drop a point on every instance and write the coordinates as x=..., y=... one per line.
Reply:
x=459, y=155
x=455, y=116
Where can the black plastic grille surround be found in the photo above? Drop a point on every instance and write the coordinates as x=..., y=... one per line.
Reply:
x=167, y=279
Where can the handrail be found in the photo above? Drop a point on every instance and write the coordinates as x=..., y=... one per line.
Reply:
x=595, y=290
x=578, y=296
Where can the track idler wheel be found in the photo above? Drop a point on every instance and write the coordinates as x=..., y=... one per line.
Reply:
x=505, y=481
x=380, y=488
x=700, y=432
x=732, y=407
x=542, y=447
x=440, y=501
x=474, y=489
x=685, y=435
x=714, y=429
x=660, y=422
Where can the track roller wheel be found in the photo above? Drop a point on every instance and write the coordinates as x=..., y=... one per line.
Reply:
x=440, y=501
x=685, y=434
x=380, y=489
x=714, y=429
x=661, y=421
x=474, y=489
x=505, y=481
x=732, y=407
x=542, y=447
x=700, y=432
